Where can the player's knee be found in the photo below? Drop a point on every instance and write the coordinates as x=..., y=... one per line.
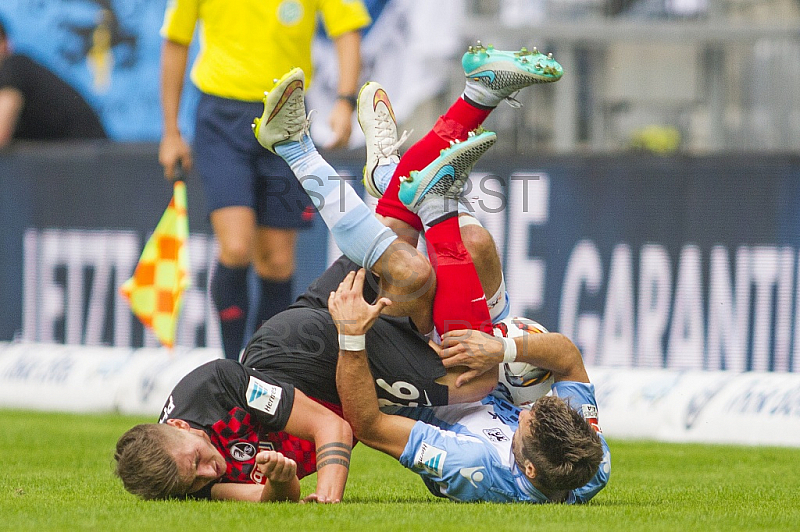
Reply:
x=479, y=243
x=235, y=254
x=406, y=271
x=276, y=267
x=422, y=272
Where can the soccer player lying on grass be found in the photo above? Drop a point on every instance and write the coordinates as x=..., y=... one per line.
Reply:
x=220, y=419
x=487, y=451
x=298, y=150
x=219, y=435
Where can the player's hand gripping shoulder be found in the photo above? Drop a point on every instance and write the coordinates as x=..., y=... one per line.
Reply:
x=352, y=315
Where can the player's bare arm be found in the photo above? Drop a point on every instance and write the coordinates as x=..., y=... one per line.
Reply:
x=353, y=318
x=333, y=440
x=474, y=388
x=481, y=352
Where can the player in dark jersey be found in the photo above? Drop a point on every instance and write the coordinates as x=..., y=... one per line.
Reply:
x=222, y=434
x=222, y=423
x=220, y=407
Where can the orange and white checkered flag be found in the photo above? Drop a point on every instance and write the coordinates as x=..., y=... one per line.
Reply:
x=156, y=289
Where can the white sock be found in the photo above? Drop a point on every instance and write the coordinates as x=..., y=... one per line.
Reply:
x=481, y=94
x=498, y=303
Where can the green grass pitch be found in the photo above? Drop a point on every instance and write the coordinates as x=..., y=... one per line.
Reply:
x=56, y=474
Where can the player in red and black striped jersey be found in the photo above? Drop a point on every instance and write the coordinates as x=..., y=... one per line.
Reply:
x=224, y=434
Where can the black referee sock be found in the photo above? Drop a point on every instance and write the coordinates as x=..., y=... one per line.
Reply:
x=275, y=296
x=229, y=292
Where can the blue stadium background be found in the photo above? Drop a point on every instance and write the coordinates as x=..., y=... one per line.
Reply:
x=683, y=261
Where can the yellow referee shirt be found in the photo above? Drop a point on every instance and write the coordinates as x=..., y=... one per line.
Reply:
x=246, y=44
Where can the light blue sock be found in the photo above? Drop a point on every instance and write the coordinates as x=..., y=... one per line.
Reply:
x=357, y=232
x=383, y=175
x=314, y=173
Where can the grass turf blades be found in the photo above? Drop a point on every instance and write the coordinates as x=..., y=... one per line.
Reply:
x=57, y=474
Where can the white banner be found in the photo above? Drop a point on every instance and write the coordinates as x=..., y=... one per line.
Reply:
x=66, y=378
x=751, y=408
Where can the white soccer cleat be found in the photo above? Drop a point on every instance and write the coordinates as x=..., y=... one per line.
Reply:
x=284, y=118
x=377, y=121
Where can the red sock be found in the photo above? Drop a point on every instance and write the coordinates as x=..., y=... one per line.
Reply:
x=459, y=302
x=455, y=124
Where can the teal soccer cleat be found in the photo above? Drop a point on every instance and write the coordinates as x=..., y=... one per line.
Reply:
x=499, y=74
x=446, y=175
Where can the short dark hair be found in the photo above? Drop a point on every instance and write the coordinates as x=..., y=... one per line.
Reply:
x=144, y=464
x=565, y=450
x=3, y=32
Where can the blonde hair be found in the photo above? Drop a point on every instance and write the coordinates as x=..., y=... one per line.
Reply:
x=144, y=464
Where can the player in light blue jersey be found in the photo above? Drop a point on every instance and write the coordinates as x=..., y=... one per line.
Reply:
x=486, y=451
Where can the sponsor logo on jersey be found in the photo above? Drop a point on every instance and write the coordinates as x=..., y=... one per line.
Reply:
x=473, y=474
x=430, y=458
x=495, y=434
x=263, y=396
x=242, y=451
x=589, y=413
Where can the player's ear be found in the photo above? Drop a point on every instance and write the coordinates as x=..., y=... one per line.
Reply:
x=178, y=424
x=530, y=470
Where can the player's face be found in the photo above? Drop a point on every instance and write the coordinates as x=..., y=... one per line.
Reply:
x=523, y=431
x=197, y=459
